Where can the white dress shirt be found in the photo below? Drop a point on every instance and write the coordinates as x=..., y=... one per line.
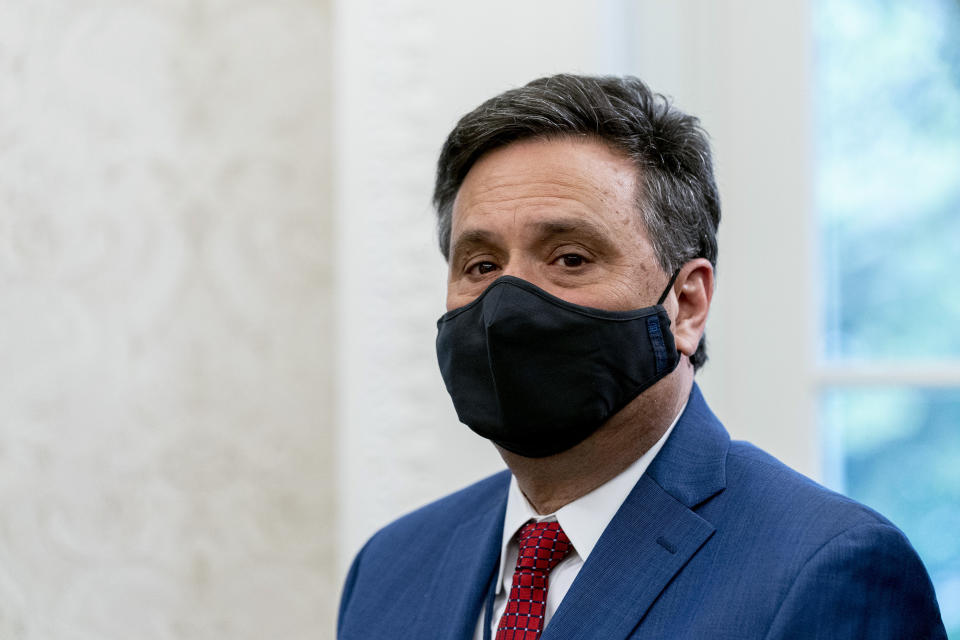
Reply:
x=583, y=520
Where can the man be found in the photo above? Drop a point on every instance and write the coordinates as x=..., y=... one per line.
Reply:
x=578, y=216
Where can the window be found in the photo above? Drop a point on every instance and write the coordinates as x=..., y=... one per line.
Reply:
x=887, y=106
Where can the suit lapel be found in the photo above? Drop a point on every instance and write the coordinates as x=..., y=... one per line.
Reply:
x=652, y=536
x=464, y=570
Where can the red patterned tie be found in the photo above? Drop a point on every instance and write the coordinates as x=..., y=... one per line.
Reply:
x=542, y=546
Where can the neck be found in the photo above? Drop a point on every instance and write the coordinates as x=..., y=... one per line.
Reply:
x=554, y=481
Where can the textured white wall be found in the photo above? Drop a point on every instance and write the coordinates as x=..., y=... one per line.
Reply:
x=165, y=440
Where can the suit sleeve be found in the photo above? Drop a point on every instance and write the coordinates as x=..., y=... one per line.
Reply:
x=867, y=582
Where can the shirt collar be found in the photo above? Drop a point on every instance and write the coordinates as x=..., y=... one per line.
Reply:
x=584, y=519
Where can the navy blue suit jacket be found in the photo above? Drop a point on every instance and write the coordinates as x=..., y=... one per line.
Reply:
x=717, y=540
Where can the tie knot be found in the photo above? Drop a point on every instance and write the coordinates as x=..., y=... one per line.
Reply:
x=542, y=546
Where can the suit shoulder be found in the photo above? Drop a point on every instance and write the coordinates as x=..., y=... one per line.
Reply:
x=393, y=570
x=825, y=562
x=865, y=582
x=756, y=476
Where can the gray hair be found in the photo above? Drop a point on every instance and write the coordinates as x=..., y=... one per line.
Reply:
x=677, y=198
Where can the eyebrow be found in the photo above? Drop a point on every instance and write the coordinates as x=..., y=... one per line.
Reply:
x=589, y=231
x=572, y=226
x=595, y=236
x=473, y=238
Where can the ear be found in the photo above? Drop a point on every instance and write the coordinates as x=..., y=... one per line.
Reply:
x=693, y=290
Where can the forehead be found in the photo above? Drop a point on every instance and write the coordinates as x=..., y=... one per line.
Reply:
x=572, y=176
x=548, y=166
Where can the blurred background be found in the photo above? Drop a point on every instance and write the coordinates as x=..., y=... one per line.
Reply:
x=219, y=278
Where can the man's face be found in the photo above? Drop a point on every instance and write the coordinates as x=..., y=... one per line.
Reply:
x=561, y=214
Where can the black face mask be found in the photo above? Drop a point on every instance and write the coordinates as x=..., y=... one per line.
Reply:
x=537, y=374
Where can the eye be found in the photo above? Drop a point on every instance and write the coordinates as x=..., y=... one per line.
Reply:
x=572, y=260
x=481, y=268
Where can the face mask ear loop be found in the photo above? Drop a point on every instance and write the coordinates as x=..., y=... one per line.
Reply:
x=666, y=291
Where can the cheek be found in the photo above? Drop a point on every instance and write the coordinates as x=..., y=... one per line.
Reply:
x=626, y=297
x=451, y=301
x=456, y=298
x=609, y=295
x=455, y=291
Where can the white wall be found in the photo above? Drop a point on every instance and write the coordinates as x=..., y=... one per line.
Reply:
x=165, y=439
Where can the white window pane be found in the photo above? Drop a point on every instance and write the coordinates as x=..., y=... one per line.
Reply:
x=887, y=101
